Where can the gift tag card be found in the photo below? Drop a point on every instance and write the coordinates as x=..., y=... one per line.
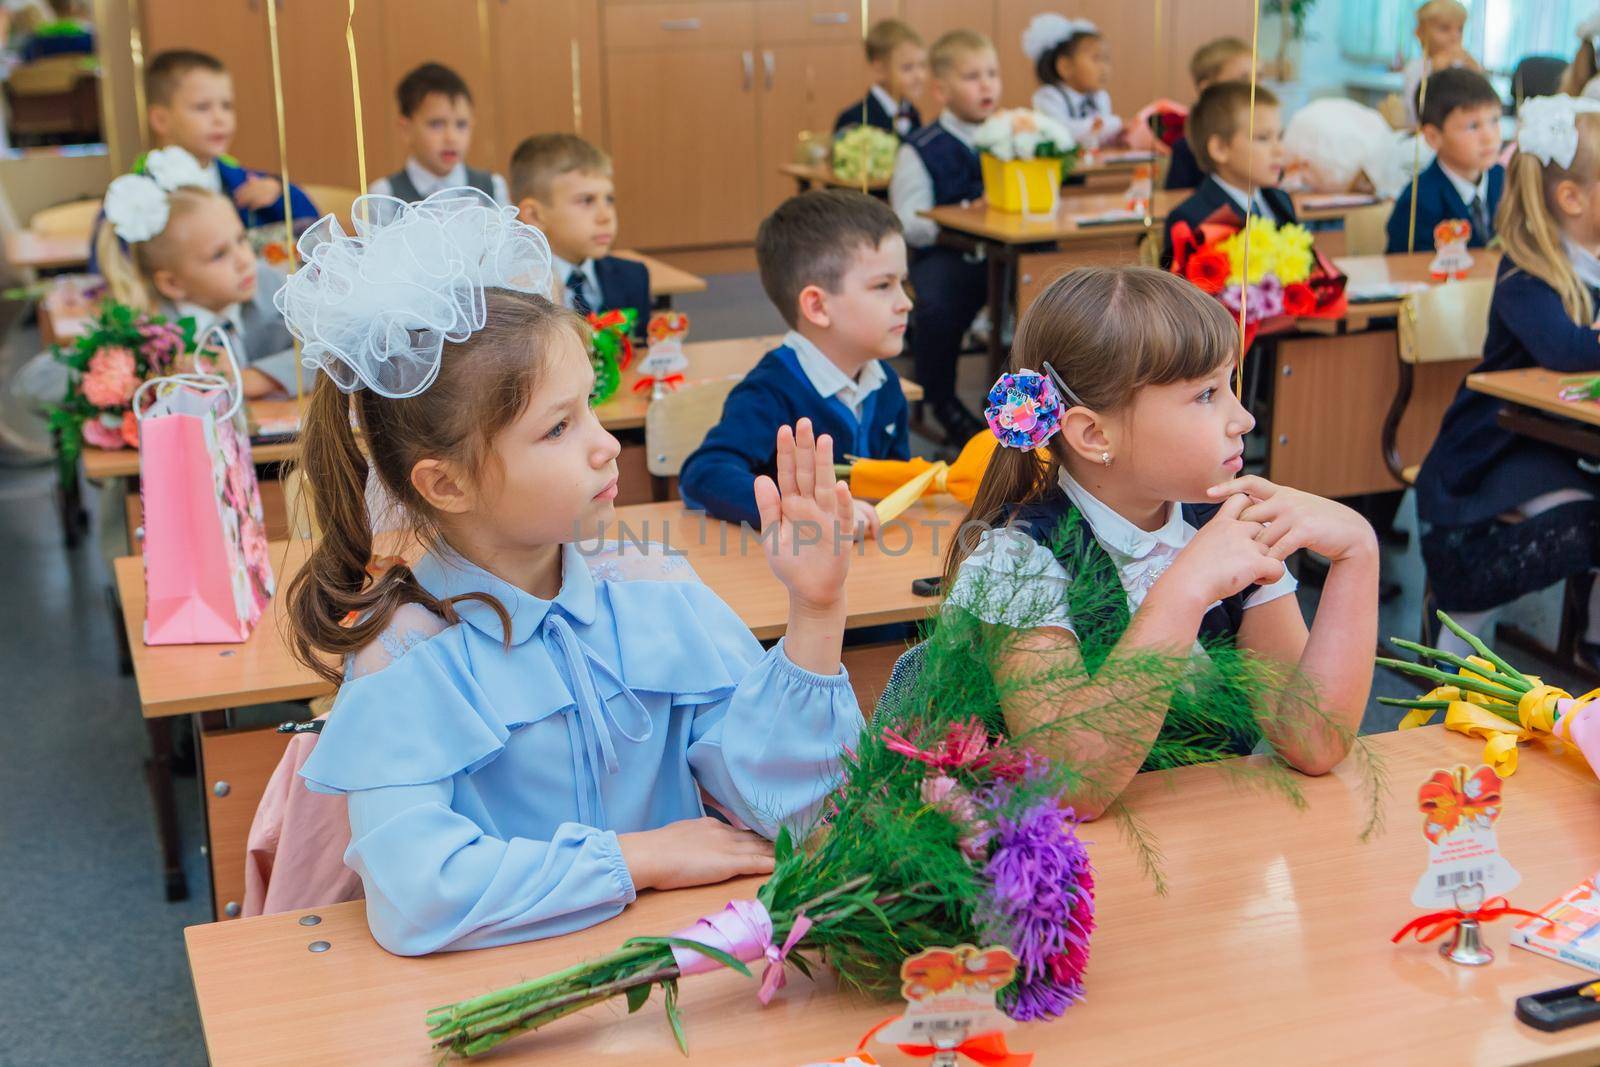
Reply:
x=950, y=996
x=1459, y=810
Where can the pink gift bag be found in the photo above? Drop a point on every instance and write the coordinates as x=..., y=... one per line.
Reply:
x=207, y=573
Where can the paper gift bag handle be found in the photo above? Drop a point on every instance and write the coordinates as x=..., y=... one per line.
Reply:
x=201, y=382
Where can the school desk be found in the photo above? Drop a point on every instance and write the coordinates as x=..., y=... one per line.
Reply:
x=1535, y=409
x=1109, y=166
x=203, y=680
x=26, y=249
x=1089, y=229
x=1271, y=946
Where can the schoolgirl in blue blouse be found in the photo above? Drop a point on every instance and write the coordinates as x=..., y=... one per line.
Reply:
x=528, y=721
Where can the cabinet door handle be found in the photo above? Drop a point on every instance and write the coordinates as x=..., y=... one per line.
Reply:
x=770, y=63
x=749, y=59
x=831, y=18
x=680, y=24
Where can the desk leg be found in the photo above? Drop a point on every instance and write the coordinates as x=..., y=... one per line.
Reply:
x=158, y=774
x=1001, y=268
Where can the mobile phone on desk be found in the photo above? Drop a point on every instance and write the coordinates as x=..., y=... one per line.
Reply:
x=1559, y=1008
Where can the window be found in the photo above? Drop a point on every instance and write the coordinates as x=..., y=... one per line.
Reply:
x=1499, y=32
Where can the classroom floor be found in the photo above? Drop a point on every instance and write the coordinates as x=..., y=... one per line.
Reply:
x=94, y=967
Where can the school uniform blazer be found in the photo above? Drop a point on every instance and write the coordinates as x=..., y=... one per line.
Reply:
x=720, y=475
x=1184, y=172
x=1476, y=470
x=1438, y=200
x=1208, y=198
x=624, y=283
x=877, y=115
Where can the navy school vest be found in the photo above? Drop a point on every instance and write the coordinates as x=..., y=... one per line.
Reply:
x=954, y=168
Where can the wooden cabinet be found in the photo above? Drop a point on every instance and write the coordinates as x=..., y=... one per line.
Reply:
x=547, y=70
x=318, y=103
x=804, y=87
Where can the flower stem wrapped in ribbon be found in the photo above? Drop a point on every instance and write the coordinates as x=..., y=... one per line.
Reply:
x=897, y=483
x=1489, y=698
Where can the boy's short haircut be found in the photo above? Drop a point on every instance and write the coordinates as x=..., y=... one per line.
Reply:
x=949, y=49
x=544, y=157
x=1209, y=59
x=1451, y=90
x=163, y=73
x=1222, y=111
x=887, y=35
x=812, y=239
x=1442, y=11
x=426, y=80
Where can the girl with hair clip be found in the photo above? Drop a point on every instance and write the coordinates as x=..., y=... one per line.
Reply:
x=528, y=716
x=1130, y=437
x=169, y=245
x=1072, y=62
x=1503, y=515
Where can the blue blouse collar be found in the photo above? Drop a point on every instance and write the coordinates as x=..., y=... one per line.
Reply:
x=445, y=574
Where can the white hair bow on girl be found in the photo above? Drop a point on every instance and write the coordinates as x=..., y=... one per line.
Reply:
x=1048, y=30
x=136, y=204
x=1547, y=127
x=375, y=309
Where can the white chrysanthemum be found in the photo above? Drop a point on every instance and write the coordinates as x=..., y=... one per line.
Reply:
x=1053, y=131
x=1050, y=29
x=374, y=309
x=1547, y=126
x=174, y=168
x=136, y=207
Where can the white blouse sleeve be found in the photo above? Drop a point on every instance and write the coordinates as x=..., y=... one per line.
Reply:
x=1012, y=580
x=1284, y=586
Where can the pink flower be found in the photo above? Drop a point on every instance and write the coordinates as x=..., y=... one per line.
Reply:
x=112, y=377
x=99, y=435
x=163, y=341
x=945, y=792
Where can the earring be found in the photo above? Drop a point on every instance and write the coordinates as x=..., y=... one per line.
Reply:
x=1105, y=457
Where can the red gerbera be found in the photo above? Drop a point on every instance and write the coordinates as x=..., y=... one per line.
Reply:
x=1298, y=299
x=1208, y=268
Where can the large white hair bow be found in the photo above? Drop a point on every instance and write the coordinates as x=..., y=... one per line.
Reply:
x=1050, y=29
x=136, y=204
x=374, y=310
x=1547, y=126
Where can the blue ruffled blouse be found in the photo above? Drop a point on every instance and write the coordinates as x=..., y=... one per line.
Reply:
x=487, y=787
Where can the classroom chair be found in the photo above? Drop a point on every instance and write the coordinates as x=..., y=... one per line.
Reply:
x=676, y=424
x=1366, y=230
x=333, y=200
x=1444, y=324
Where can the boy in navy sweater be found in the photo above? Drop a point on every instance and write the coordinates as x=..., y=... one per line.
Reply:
x=939, y=165
x=562, y=184
x=1461, y=123
x=1241, y=174
x=834, y=264
x=899, y=63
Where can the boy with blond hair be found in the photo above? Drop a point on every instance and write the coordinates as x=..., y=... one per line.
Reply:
x=1440, y=28
x=899, y=63
x=938, y=165
x=1225, y=59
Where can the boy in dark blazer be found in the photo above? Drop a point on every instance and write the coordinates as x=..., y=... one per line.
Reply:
x=1240, y=174
x=1225, y=59
x=834, y=263
x=899, y=63
x=562, y=184
x=1461, y=123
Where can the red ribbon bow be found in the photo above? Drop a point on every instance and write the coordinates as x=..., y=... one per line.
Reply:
x=988, y=1049
x=642, y=384
x=1436, y=924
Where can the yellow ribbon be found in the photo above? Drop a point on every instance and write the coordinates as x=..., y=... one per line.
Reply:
x=283, y=165
x=1244, y=282
x=355, y=95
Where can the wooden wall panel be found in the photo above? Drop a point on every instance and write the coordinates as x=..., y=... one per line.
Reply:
x=236, y=33
x=533, y=61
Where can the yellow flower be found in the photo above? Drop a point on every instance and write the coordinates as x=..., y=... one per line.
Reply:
x=1293, y=254
x=1263, y=251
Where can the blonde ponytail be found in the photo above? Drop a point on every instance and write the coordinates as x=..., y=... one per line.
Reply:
x=1526, y=224
x=124, y=280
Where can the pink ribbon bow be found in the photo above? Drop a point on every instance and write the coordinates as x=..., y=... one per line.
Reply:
x=743, y=930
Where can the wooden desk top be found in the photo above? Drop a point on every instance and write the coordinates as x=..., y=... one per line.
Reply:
x=665, y=279
x=822, y=174
x=1535, y=387
x=1004, y=228
x=179, y=679
x=1401, y=269
x=24, y=248
x=1272, y=946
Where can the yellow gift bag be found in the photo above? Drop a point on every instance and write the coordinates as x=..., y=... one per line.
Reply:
x=1022, y=186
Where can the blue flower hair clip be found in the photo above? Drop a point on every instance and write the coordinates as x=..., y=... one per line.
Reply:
x=1024, y=408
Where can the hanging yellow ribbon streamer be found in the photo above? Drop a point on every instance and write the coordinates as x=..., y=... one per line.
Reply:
x=283, y=167
x=486, y=49
x=577, y=89
x=1244, y=282
x=136, y=50
x=1155, y=156
x=355, y=95
x=1416, y=158
x=865, y=97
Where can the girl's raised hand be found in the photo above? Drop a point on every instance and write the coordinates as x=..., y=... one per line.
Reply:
x=807, y=519
x=1225, y=555
x=1291, y=520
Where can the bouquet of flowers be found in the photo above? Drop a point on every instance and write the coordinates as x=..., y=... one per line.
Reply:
x=610, y=349
x=1288, y=278
x=1489, y=698
x=1021, y=133
x=106, y=364
x=865, y=152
